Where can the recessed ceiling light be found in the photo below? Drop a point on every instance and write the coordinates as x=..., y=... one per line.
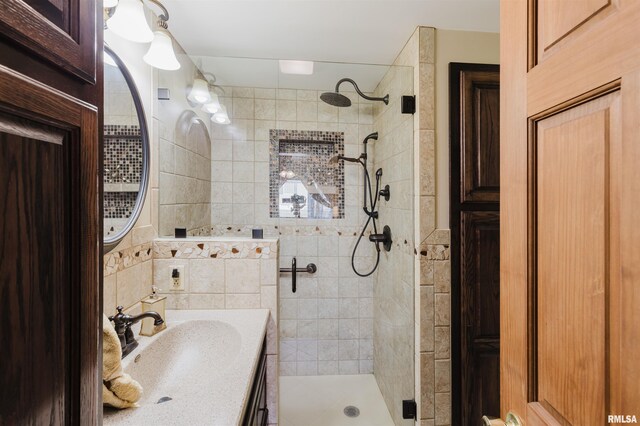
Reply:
x=296, y=67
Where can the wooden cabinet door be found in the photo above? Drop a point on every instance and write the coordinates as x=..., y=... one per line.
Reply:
x=61, y=32
x=49, y=256
x=570, y=204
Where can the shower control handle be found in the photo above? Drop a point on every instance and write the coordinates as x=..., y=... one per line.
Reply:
x=294, y=275
x=385, y=193
x=384, y=238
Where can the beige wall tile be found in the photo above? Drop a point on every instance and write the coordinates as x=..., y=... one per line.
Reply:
x=242, y=301
x=110, y=295
x=443, y=309
x=427, y=395
x=443, y=409
x=442, y=273
x=207, y=275
x=427, y=316
x=206, y=301
x=242, y=276
x=443, y=376
x=442, y=342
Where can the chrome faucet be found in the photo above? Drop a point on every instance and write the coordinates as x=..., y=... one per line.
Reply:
x=122, y=324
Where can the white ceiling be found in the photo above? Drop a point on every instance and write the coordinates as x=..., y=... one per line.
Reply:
x=226, y=37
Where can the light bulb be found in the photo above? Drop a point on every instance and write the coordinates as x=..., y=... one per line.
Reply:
x=213, y=106
x=161, y=54
x=199, y=92
x=129, y=22
x=221, y=117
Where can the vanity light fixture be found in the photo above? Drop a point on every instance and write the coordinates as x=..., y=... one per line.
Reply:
x=221, y=117
x=199, y=92
x=129, y=22
x=296, y=67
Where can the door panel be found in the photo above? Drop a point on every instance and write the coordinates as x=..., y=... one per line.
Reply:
x=572, y=215
x=49, y=252
x=480, y=103
x=60, y=31
x=570, y=252
x=32, y=361
x=559, y=19
x=480, y=332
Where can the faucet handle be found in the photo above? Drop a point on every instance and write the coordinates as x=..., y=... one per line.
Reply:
x=119, y=317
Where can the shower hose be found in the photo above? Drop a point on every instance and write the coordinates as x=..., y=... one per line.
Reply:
x=371, y=213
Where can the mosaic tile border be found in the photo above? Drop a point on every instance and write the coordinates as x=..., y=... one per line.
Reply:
x=275, y=231
x=117, y=261
x=202, y=249
x=302, y=136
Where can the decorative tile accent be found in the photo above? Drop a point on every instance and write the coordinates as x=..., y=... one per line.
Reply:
x=122, y=154
x=250, y=249
x=120, y=260
x=119, y=205
x=312, y=151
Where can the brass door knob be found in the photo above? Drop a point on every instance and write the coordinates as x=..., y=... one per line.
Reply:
x=511, y=420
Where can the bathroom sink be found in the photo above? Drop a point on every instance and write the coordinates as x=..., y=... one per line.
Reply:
x=197, y=371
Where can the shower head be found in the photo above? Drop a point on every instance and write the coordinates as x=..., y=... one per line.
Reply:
x=336, y=99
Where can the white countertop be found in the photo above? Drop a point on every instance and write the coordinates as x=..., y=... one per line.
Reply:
x=204, y=361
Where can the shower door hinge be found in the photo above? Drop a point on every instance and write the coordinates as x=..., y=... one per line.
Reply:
x=408, y=104
x=409, y=409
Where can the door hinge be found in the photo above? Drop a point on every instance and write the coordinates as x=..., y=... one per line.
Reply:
x=409, y=409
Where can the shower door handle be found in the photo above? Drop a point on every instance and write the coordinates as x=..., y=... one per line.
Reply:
x=293, y=275
x=311, y=268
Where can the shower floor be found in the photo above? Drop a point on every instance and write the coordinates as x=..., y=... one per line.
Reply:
x=320, y=401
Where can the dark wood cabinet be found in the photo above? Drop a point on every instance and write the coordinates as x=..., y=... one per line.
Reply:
x=61, y=32
x=256, y=412
x=475, y=241
x=50, y=244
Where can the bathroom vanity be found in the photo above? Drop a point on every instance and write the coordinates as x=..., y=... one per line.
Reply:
x=207, y=367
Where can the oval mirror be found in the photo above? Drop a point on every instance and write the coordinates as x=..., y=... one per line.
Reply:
x=126, y=151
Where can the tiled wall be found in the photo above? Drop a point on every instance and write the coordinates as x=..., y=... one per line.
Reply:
x=225, y=274
x=326, y=327
x=393, y=289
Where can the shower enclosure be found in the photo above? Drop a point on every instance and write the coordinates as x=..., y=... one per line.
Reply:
x=270, y=169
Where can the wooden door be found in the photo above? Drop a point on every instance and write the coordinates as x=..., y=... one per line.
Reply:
x=50, y=244
x=570, y=241
x=475, y=240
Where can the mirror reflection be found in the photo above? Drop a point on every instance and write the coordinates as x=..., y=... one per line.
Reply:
x=124, y=151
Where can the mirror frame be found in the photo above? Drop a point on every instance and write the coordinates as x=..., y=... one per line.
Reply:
x=111, y=242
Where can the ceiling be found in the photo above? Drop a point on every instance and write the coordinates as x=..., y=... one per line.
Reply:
x=347, y=31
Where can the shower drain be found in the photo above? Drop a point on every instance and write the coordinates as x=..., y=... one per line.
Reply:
x=351, y=411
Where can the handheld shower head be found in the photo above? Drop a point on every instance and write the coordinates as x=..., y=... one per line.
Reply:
x=336, y=99
x=336, y=158
x=373, y=136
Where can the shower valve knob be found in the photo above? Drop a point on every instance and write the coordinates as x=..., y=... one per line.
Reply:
x=385, y=193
